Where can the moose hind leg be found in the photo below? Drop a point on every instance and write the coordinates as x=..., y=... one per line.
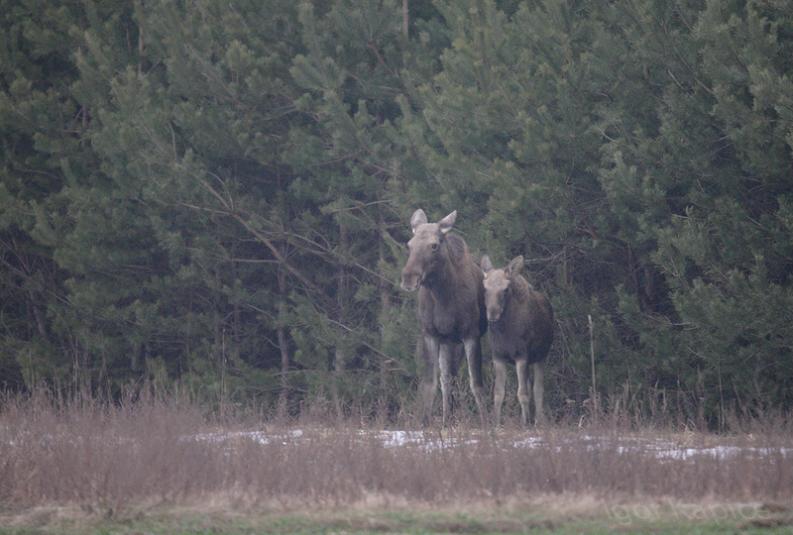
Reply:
x=473, y=352
x=538, y=369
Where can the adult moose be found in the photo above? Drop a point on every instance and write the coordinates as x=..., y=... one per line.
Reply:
x=450, y=301
x=521, y=330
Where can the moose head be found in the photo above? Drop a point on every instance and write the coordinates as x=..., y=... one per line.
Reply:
x=497, y=285
x=428, y=248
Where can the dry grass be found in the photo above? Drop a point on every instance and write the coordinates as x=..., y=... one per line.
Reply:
x=106, y=458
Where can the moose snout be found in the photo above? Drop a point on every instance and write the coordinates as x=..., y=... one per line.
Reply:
x=493, y=314
x=410, y=281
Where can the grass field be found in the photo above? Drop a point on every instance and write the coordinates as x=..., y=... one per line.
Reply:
x=162, y=466
x=546, y=514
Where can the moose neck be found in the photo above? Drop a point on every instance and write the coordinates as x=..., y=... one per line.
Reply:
x=443, y=281
x=519, y=288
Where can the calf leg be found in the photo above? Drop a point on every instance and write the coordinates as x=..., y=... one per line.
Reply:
x=522, y=369
x=500, y=368
x=473, y=352
x=538, y=369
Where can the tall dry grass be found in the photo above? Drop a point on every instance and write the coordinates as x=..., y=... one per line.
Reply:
x=150, y=449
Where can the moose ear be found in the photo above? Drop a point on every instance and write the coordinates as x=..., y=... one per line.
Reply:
x=486, y=264
x=418, y=218
x=515, y=266
x=447, y=222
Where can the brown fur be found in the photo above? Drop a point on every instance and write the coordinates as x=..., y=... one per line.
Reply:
x=521, y=331
x=450, y=301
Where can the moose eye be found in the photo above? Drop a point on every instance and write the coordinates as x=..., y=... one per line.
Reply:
x=434, y=246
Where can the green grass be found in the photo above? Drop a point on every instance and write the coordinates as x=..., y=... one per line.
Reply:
x=546, y=517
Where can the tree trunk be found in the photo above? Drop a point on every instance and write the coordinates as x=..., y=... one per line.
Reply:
x=405, y=18
x=339, y=354
x=282, y=343
x=385, y=307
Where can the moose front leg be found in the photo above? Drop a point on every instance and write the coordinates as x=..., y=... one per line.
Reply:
x=433, y=357
x=473, y=353
x=428, y=382
x=522, y=369
x=499, y=389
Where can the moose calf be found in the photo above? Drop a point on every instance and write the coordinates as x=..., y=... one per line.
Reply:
x=521, y=330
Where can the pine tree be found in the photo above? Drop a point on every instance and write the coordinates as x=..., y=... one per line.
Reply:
x=218, y=193
x=41, y=125
x=191, y=134
x=353, y=72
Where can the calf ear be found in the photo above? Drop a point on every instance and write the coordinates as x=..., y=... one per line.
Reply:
x=486, y=264
x=418, y=218
x=447, y=222
x=515, y=266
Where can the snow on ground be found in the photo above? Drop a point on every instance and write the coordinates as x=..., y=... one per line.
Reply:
x=673, y=449
x=259, y=437
x=431, y=440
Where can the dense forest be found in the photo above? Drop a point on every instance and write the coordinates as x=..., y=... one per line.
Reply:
x=216, y=195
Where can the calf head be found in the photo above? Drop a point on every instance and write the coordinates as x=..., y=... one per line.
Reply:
x=427, y=248
x=497, y=285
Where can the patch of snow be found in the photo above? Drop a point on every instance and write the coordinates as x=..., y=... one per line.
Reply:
x=431, y=440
